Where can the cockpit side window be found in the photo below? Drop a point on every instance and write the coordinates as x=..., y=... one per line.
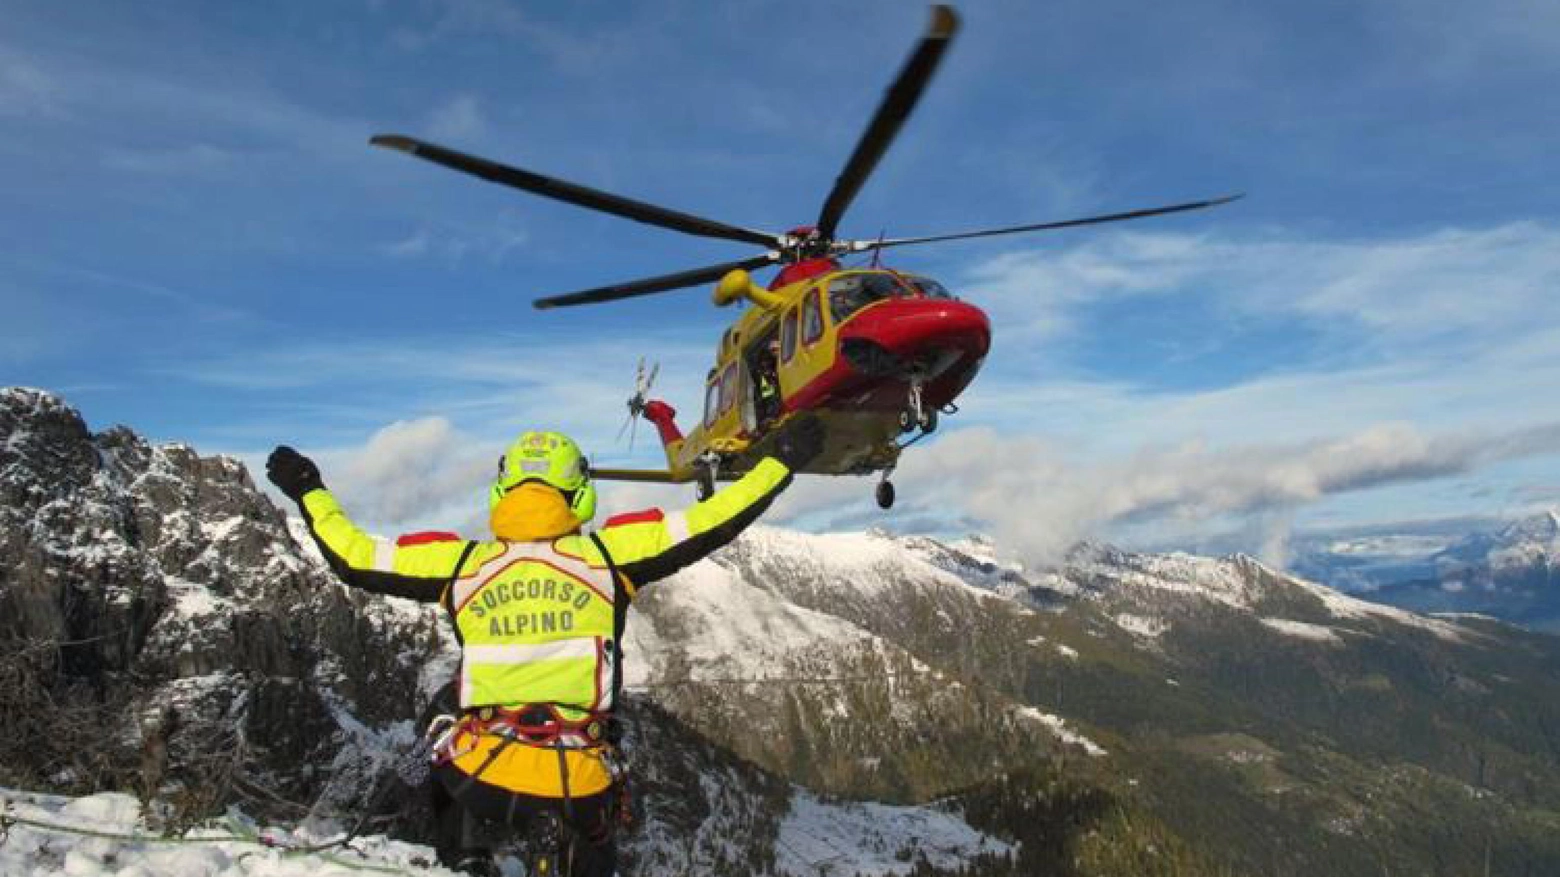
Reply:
x=788, y=336
x=728, y=387
x=812, y=317
x=711, y=401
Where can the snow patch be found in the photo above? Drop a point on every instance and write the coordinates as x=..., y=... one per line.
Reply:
x=1060, y=730
x=1141, y=625
x=1303, y=630
x=1343, y=606
x=132, y=850
x=869, y=838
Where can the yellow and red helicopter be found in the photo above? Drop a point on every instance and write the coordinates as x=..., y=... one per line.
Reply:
x=874, y=352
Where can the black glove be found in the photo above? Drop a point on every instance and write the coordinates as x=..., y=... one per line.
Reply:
x=800, y=441
x=292, y=473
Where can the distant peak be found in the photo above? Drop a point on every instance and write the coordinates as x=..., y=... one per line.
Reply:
x=23, y=398
x=1541, y=527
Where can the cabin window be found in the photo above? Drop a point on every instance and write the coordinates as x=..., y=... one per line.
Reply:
x=853, y=292
x=711, y=402
x=728, y=387
x=788, y=336
x=812, y=317
x=929, y=287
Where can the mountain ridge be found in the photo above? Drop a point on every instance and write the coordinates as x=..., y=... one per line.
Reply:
x=1121, y=713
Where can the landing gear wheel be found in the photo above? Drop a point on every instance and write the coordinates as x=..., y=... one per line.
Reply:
x=928, y=420
x=704, y=488
x=906, y=420
x=885, y=494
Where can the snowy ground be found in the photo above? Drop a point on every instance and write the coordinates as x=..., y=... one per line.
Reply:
x=233, y=850
x=873, y=839
x=104, y=836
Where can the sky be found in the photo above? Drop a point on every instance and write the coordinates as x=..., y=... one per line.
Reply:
x=199, y=242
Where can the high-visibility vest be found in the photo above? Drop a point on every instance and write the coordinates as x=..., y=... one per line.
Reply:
x=536, y=626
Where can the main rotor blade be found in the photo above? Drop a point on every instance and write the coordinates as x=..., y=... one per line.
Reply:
x=862, y=246
x=891, y=114
x=654, y=284
x=572, y=193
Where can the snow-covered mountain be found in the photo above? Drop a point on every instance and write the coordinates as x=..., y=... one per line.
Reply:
x=158, y=594
x=1118, y=713
x=1511, y=573
x=1502, y=569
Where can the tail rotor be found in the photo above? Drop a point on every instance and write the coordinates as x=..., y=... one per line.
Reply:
x=643, y=381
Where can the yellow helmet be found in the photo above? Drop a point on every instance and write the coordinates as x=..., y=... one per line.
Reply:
x=553, y=459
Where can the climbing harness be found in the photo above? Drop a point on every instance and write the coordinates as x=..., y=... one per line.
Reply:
x=537, y=724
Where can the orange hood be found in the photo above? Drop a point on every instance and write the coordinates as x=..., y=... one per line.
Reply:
x=532, y=512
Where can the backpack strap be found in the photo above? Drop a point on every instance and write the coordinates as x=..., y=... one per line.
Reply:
x=620, y=601
x=444, y=598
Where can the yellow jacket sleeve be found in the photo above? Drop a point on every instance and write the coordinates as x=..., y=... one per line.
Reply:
x=648, y=546
x=417, y=570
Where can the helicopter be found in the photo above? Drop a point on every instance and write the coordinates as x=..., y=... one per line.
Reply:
x=876, y=353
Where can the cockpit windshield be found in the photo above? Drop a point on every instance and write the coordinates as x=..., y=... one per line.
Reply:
x=852, y=292
x=927, y=287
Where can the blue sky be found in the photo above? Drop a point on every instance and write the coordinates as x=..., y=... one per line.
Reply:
x=199, y=242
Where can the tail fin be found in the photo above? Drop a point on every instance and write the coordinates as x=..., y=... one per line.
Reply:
x=664, y=417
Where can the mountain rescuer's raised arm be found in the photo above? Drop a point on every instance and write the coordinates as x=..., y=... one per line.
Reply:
x=417, y=571
x=651, y=545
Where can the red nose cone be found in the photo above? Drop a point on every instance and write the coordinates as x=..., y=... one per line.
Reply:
x=887, y=345
x=884, y=345
x=925, y=332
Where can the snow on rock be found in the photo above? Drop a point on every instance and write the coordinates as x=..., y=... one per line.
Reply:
x=846, y=838
x=131, y=849
x=1343, y=606
x=1141, y=625
x=873, y=839
x=873, y=564
x=707, y=622
x=1303, y=630
x=1183, y=575
x=1063, y=733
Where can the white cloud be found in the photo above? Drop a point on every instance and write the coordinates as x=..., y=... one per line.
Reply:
x=455, y=244
x=1412, y=288
x=180, y=161
x=26, y=89
x=459, y=118
x=1448, y=330
x=410, y=470
x=1038, y=499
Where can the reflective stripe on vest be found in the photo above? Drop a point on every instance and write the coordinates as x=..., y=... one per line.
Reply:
x=536, y=627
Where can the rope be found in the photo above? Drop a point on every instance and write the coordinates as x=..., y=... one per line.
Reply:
x=132, y=838
x=768, y=680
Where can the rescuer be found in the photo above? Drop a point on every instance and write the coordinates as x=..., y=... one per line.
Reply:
x=539, y=613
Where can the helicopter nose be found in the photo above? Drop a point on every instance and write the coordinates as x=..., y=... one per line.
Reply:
x=932, y=334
